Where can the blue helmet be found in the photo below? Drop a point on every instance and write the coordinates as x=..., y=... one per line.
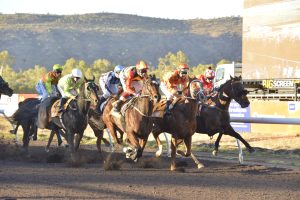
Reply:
x=118, y=69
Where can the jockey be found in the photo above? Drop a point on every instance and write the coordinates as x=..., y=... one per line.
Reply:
x=109, y=83
x=206, y=80
x=175, y=84
x=69, y=86
x=47, y=85
x=131, y=79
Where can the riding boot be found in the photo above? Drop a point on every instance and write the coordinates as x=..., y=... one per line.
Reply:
x=61, y=106
x=168, y=109
x=117, y=105
x=102, y=100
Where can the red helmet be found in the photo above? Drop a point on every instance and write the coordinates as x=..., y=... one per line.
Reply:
x=141, y=65
x=183, y=66
x=209, y=73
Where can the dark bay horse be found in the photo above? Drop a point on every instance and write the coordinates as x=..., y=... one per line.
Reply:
x=4, y=88
x=181, y=124
x=74, y=119
x=137, y=118
x=26, y=116
x=215, y=118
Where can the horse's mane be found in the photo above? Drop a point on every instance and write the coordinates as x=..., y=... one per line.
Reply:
x=230, y=80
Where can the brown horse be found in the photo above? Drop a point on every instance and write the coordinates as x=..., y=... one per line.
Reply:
x=181, y=124
x=138, y=121
x=215, y=118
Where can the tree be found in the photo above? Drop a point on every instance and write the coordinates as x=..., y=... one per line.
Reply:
x=223, y=61
x=170, y=62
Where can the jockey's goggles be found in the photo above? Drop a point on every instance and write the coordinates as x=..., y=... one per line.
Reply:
x=58, y=71
x=143, y=71
x=210, y=78
x=76, y=78
x=183, y=72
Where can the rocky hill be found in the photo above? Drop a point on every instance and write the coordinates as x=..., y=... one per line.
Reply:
x=120, y=38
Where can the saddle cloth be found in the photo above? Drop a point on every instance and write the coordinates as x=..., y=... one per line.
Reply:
x=55, y=107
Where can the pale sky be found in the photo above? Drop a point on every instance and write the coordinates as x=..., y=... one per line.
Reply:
x=171, y=9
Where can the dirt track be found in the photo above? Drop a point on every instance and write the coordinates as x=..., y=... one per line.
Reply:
x=51, y=176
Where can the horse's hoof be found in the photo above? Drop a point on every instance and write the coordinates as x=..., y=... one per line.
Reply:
x=173, y=168
x=215, y=153
x=251, y=150
x=125, y=149
x=199, y=166
x=158, y=154
x=135, y=160
x=47, y=150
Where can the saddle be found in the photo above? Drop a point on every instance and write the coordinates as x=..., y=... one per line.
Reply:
x=120, y=117
x=160, y=107
x=103, y=104
x=209, y=102
x=55, y=107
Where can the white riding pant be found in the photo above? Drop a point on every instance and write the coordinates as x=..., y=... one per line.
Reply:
x=164, y=89
x=113, y=88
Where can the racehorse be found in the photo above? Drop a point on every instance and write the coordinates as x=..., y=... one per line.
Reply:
x=26, y=116
x=215, y=118
x=181, y=124
x=4, y=88
x=74, y=119
x=137, y=122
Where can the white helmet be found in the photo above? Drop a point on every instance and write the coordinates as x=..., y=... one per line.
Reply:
x=77, y=73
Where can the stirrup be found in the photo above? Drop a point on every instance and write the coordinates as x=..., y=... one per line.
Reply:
x=61, y=110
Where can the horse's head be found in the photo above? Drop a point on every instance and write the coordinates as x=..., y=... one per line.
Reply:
x=151, y=88
x=91, y=90
x=238, y=92
x=4, y=88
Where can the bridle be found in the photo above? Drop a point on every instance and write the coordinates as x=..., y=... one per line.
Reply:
x=146, y=86
x=224, y=98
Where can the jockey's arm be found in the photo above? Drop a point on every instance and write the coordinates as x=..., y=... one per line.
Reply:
x=68, y=87
x=48, y=84
x=129, y=88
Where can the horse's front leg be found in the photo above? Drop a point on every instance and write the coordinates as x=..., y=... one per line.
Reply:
x=230, y=131
x=158, y=143
x=50, y=140
x=26, y=130
x=134, y=142
x=173, y=153
x=77, y=140
x=143, y=143
x=70, y=137
x=217, y=144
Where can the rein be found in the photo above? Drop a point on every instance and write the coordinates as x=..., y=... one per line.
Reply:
x=138, y=110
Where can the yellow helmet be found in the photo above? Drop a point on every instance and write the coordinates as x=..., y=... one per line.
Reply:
x=141, y=65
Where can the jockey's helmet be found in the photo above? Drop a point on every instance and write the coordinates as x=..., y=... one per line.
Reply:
x=142, y=68
x=209, y=74
x=57, y=68
x=118, y=69
x=141, y=65
x=76, y=73
x=183, y=69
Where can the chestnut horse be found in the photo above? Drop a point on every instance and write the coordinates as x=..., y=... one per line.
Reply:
x=138, y=121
